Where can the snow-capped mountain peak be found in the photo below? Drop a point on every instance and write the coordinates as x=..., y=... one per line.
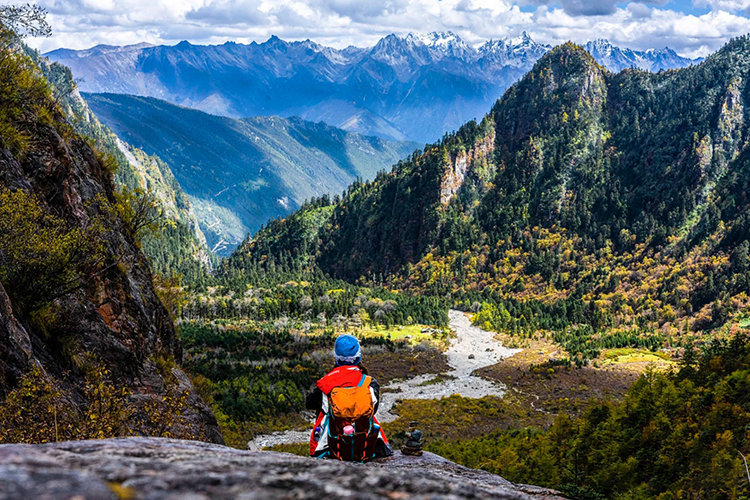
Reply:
x=617, y=59
x=601, y=46
x=416, y=86
x=442, y=43
x=436, y=38
x=517, y=51
x=522, y=40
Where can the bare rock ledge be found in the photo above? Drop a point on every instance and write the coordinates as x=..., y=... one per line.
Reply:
x=160, y=469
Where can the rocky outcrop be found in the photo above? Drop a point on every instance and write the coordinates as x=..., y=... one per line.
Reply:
x=462, y=163
x=151, y=468
x=115, y=317
x=15, y=346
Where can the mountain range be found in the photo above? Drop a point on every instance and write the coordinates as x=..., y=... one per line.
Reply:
x=415, y=87
x=239, y=174
x=582, y=198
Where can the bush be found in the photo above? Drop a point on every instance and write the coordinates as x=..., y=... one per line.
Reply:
x=140, y=211
x=42, y=256
x=39, y=411
x=22, y=89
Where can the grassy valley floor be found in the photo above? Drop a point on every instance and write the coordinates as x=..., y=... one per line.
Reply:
x=255, y=375
x=539, y=389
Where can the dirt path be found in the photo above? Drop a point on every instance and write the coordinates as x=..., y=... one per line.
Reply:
x=473, y=348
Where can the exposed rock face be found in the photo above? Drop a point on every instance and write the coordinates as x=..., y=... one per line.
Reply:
x=116, y=316
x=464, y=162
x=15, y=346
x=152, y=468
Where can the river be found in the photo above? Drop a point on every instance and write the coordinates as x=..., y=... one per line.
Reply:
x=471, y=349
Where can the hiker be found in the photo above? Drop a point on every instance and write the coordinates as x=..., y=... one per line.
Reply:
x=346, y=400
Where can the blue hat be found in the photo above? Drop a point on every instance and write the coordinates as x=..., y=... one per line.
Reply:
x=346, y=350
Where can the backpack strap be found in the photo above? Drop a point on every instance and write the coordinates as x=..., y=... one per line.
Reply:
x=365, y=378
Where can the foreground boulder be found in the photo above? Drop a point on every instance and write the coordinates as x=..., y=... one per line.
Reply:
x=154, y=468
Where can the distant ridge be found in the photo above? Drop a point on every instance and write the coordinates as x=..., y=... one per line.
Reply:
x=414, y=87
x=240, y=173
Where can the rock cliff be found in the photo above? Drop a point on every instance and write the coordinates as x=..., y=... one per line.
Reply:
x=152, y=468
x=462, y=161
x=114, y=319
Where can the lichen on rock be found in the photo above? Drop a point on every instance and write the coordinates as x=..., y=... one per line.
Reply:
x=153, y=468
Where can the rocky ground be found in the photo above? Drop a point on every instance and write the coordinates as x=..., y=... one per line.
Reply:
x=161, y=469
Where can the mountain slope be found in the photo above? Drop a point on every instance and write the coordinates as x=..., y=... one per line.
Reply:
x=583, y=198
x=240, y=173
x=179, y=246
x=419, y=86
x=86, y=346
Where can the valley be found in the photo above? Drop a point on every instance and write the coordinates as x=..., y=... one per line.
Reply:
x=556, y=292
x=481, y=367
x=241, y=173
x=558, y=228
x=472, y=349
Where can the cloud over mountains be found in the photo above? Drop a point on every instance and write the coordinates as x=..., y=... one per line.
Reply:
x=693, y=28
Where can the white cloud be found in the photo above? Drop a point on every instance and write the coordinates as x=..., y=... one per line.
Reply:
x=639, y=10
x=726, y=5
x=639, y=25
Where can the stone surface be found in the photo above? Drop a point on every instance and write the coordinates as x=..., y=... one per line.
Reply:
x=161, y=469
x=15, y=346
x=464, y=162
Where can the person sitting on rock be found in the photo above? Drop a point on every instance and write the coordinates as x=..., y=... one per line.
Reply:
x=346, y=400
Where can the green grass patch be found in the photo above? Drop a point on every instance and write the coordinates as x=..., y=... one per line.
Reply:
x=629, y=355
x=439, y=379
x=455, y=417
x=413, y=334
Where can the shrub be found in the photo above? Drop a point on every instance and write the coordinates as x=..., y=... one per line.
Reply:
x=42, y=256
x=39, y=411
x=139, y=210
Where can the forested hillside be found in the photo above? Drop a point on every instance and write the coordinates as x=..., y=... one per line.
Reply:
x=590, y=210
x=676, y=435
x=176, y=245
x=87, y=348
x=604, y=202
x=240, y=173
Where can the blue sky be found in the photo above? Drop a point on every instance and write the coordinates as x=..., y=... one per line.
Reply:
x=691, y=27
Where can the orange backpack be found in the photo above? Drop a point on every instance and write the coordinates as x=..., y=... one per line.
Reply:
x=352, y=433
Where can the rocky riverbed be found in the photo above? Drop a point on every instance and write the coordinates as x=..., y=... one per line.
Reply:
x=168, y=469
x=471, y=349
